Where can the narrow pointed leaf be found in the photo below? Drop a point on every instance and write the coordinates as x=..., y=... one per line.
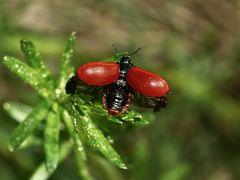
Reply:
x=35, y=60
x=51, y=138
x=17, y=111
x=31, y=141
x=134, y=118
x=41, y=173
x=27, y=127
x=32, y=56
x=78, y=146
x=93, y=134
x=66, y=69
x=29, y=75
x=113, y=119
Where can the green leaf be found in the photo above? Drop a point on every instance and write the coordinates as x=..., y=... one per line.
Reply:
x=34, y=78
x=116, y=57
x=78, y=146
x=51, y=138
x=31, y=55
x=134, y=118
x=41, y=173
x=31, y=141
x=17, y=111
x=114, y=119
x=93, y=134
x=27, y=127
x=65, y=69
x=35, y=60
x=130, y=116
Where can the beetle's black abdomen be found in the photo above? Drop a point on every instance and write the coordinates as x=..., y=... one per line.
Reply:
x=117, y=98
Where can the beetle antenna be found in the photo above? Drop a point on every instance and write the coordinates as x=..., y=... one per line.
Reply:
x=114, y=48
x=134, y=52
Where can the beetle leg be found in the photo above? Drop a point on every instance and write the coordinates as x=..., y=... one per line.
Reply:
x=157, y=103
x=104, y=101
x=160, y=103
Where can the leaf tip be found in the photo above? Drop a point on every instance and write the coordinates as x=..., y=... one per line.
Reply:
x=122, y=166
x=23, y=41
x=73, y=33
x=50, y=167
x=5, y=58
x=6, y=106
x=72, y=37
x=10, y=147
x=26, y=45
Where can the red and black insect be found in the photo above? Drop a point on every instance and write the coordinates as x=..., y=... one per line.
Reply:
x=122, y=84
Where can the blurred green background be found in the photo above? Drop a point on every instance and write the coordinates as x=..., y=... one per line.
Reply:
x=194, y=44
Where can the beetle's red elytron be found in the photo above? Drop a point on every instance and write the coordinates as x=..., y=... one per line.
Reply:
x=122, y=83
x=98, y=73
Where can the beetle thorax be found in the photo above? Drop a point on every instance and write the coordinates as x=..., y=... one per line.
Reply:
x=125, y=64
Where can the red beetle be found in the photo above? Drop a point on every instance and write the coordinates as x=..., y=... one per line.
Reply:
x=122, y=83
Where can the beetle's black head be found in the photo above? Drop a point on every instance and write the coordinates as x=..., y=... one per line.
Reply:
x=125, y=64
x=125, y=60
